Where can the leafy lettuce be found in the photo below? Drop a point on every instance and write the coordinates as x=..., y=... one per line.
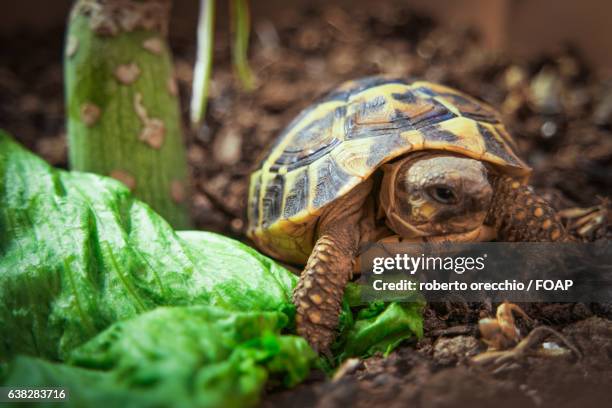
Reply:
x=100, y=295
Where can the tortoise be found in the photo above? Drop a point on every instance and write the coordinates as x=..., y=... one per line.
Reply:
x=386, y=157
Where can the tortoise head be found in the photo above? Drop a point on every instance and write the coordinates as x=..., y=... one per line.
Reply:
x=435, y=195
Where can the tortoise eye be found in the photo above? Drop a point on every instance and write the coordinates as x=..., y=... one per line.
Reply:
x=443, y=195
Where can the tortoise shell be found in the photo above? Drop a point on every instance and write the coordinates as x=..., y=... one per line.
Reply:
x=343, y=138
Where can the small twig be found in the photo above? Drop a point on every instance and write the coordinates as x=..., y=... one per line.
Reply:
x=348, y=367
x=453, y=331
x=537, y=336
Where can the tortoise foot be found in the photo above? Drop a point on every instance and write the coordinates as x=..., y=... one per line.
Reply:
x=318, y=336
x=318, y=295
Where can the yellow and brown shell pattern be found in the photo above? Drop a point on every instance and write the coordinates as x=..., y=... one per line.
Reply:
x=340, y=140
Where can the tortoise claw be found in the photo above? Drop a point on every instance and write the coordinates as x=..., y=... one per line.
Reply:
x=318, y=336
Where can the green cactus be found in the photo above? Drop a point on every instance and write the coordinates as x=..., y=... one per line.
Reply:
x=122, y=101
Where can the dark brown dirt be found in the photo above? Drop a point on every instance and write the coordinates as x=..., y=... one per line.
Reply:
x=410, y=377
x=558, y=110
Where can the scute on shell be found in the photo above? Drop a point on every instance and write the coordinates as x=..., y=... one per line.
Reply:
x=342, y=139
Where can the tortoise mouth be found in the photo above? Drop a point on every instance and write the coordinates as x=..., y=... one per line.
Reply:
x=465, y=230
x=480, y=234
x=467, y=236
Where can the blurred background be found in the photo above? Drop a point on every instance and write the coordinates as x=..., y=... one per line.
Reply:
x=544, y=63
x=520, y=27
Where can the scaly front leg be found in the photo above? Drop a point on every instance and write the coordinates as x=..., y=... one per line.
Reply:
x=318, y=295
x=519, y=214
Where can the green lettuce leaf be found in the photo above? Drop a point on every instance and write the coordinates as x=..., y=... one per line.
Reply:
x=99, y=294
x=78, y=253
x=176, y=356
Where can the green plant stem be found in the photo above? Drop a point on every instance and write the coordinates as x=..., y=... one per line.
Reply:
x=122, y=105
x=242, y=28
x=204, y=58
